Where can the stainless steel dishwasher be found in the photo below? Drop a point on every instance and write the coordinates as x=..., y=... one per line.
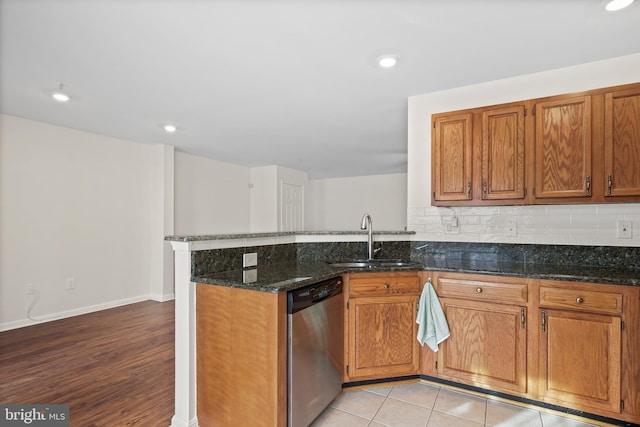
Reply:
x=315, y=349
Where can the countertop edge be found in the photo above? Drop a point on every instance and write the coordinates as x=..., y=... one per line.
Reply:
x=294, y=276
x=198, y=238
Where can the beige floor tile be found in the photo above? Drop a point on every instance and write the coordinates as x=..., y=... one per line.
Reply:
x=359, y=402
x=439, y=419
x=336, y=418
x=417, y=393
x=410, y=405
x=550, y=420
x=384, y=390
x=501, y=414
x=461, y=405
x=397, y=413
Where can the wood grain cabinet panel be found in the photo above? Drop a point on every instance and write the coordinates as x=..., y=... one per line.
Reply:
x=488, y=318
x=579, y=299
x=381, y=326
x=383, y=284
x=622, y=143
x=487, y=347
x=451, y=157
x=241, y=358
x=383, y=336
x=503, y=153
x=465, y=286
x=580, y=360
x=563, y=148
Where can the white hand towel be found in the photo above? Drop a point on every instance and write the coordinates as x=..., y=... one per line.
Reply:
x=432, y=325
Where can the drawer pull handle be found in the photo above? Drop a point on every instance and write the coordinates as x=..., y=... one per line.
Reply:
x=579, y=300
x=386, y=286
x=479, y=290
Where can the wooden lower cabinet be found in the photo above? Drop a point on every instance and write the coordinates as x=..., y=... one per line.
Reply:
x=588, y=345
x=487, y=318
x=487, y=347
x=381, y=325
x=241, y=357
x=580, y=360
x=570, y=344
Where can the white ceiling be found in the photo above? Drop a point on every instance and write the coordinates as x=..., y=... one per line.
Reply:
x=287, y=82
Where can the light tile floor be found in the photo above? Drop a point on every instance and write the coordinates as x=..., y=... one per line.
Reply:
x=427, y=405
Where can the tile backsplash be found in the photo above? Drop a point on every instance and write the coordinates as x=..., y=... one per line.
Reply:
x=594, y=224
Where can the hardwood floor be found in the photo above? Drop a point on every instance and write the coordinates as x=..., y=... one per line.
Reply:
x=113, y=367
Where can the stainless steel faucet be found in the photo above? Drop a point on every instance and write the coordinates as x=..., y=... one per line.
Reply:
x=366, y=225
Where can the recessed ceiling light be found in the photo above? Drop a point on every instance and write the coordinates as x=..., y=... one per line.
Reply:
x=387, y=61
x=59, y=95
x=614, y=5
x=170, y=128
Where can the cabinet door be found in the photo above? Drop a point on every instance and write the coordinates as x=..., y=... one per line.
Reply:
x=622, y=143
x=487, y=346
x=503, y=154
x=580, y=360
x=382, y=336
x=451, y=157
x=563, y=148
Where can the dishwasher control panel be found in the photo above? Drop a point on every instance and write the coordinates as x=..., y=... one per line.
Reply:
x=299, y=299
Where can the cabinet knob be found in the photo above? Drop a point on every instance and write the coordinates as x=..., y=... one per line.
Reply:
x=579, y=300
x=479, y=290
x=386, y=286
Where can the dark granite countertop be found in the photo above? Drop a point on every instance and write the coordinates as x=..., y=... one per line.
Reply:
x=274, y=278
x=197, y=238
x=284, y=277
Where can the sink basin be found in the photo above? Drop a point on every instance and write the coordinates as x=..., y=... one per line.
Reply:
x=379, y=263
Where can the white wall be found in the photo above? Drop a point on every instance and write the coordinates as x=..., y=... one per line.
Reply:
x=211, y=197
x=582, y=224
x=72, y=205
x=264, y=199
x=339, y=203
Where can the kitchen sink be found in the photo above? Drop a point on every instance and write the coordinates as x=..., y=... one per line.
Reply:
x=375, y=263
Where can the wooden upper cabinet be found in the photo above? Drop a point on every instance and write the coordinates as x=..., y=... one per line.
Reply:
x=451, y=151
x=622, y=143
x=503, y=153
x=563, y=148
x=572, y=148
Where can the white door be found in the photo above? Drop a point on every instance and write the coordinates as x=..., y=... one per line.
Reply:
x=291, y=207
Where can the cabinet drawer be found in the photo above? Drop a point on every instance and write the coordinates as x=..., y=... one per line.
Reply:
x=383, y=284
x=580, y=299
x=481, y=290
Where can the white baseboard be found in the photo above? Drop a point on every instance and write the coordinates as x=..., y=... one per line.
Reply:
x=162, y=297
x=177, y=423
x=78, y=311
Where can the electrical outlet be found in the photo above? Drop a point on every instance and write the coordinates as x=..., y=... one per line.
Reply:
x=449, y=228
x=70, y=284
x=250, y=276
x=28, y=289
x=250, y=260
x=511, y=228
x=625, y=229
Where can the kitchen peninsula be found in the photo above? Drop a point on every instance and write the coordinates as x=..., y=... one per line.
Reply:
x=287, y=261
